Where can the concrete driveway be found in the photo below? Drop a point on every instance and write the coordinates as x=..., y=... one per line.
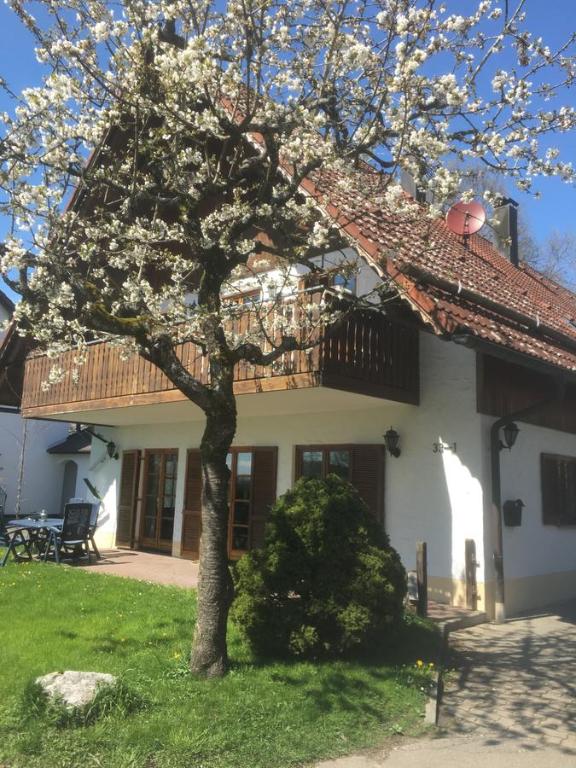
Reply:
x=510, y=701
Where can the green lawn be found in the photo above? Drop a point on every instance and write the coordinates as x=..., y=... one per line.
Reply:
x=259, y=716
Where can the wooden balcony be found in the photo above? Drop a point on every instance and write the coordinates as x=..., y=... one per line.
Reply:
x=366, y=354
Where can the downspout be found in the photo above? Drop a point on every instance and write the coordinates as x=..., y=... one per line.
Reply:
x=495, y=448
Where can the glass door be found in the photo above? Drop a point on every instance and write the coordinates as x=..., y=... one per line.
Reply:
x=240, y=464
x=157, y=527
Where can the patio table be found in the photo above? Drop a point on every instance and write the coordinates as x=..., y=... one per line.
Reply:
x=35, y=523
x=36, y=529
x=35, y=526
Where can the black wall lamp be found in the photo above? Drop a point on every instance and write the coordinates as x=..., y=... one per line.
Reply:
x=511, y=432
x=110, y=445
x=391, y=440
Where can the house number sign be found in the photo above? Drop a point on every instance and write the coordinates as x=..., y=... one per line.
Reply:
x=442, y=446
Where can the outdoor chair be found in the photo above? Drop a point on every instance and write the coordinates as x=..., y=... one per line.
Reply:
x=14, y=539
x=93, y=525
x=73, y=538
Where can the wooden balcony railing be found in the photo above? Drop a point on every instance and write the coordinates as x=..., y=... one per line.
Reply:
x=367, y=354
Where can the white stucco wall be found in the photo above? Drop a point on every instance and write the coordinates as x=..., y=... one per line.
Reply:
x=534, y=548
x=42, y=473
x=432, y=497
x=438, y=497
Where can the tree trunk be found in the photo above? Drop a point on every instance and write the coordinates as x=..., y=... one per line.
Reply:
x=215, y=588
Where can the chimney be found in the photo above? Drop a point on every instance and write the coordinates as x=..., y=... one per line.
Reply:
x=506, y=228
x=408, y=184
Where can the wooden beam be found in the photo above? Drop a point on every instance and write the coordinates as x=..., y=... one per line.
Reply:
x=422, y=578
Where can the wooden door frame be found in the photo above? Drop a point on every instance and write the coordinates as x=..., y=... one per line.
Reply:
x=143, y=542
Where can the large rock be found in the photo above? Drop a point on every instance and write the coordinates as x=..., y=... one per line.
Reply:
x=75, y=689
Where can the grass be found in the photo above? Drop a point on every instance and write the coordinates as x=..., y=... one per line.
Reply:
x=260, y=716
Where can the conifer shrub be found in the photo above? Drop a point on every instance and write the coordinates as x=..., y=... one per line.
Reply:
x=326, y=582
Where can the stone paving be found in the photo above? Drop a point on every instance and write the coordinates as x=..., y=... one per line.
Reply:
x=146, y=566
x=516, y=680
x=510, y=701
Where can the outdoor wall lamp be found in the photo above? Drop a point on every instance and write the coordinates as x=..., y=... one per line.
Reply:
x=391, y=440
x=510, y=431
x=110, y=445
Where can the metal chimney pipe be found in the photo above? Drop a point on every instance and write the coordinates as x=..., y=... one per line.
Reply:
x=506, y=228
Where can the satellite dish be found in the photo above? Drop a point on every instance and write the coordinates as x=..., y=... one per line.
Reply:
x=465, y=218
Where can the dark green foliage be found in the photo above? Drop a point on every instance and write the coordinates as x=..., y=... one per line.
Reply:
x=326, y=582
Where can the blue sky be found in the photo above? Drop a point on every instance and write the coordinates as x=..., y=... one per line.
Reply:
x=554, y=21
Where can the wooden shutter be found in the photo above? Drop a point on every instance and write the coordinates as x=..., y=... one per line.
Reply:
x=265, y=461
x=568, y=516
x=551, y=481
x=368, y=476
x=192, y=514
x=127, y=498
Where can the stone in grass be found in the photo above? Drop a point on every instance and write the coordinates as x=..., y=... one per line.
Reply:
x=74, y=689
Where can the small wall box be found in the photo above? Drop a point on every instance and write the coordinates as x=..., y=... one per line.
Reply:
x=513, y=513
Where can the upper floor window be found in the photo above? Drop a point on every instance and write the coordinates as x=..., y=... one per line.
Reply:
x=246, y=297
x=345, y=282
x=332, y=278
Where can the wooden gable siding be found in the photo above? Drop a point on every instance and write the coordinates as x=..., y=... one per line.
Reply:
x=505, y=387
x=368, y=354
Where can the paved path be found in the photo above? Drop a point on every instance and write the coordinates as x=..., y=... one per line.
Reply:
x=146, y=566
x=510, y=703
x=516, y=679
x=458, y=752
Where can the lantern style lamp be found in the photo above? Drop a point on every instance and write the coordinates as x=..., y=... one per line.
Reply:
x=510, y=434
x=391, y=440
x=111, y=450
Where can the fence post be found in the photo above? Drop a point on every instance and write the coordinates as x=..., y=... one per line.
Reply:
x=422, y=578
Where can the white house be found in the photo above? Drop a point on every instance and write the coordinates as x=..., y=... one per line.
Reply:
x=472, y=343
x=41, y=464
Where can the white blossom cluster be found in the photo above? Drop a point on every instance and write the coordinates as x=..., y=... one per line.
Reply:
x=166, y=158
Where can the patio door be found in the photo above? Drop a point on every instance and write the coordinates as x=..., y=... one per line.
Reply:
x=252, y=493
x=158, y=504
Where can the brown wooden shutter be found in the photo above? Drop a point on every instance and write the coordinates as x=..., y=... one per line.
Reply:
x=264, y=491
x=368, y=476
x=192, y=513
x=127, y=498
x=568, y=510
x=551, y=481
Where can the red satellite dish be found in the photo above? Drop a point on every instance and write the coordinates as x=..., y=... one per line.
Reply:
x=465, y=218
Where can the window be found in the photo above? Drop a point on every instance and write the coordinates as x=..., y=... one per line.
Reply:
x=244, y=298
x=558, y=480
x=332, y=279
x=316, y=462
x=240, y=465
x=345, y=282
x=361, y=465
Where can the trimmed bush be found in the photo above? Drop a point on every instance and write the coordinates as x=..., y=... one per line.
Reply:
x=325, y=583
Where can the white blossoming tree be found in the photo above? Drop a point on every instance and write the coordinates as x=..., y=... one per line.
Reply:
x=163, y=159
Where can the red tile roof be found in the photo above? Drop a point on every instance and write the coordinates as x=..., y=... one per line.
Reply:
x=455, y=287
